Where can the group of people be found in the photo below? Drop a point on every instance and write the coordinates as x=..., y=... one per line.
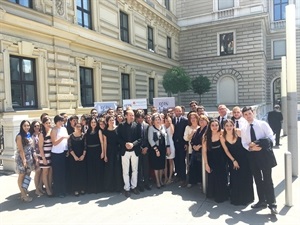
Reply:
x=122, y=151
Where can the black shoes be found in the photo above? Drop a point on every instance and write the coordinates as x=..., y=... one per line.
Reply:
x=135, y=191
x=141, y=189
x=259, y=205
x=127, y=194
x=273, y=210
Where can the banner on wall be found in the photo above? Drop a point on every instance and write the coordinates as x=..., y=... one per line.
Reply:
x=135, y=103
x=104, y=106
x=162, y=104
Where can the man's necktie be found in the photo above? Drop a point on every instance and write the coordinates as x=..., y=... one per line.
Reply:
x=222, y=122
x=237, y=124
x=252, y=133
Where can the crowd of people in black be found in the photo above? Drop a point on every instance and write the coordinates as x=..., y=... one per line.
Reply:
x=128, y=151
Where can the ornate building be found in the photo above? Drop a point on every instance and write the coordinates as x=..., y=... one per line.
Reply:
x=238, y=45
x=64, y=55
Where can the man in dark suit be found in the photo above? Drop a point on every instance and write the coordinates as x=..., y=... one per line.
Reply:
x=275, y=119
x=143, y=167
x=129, y=137
x=260, y=161
x=180, y=123
x=222, y=109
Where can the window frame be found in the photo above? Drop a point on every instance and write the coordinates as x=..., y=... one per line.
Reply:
x=167, y=4
x=150, y=32
x=84, y=86
x=22, y=83
x=124, y=89
x=85, y=11
x=277, y=57
x=124, y=31
x=169, y=47
x=219, y=42
x=282, y=8
x=151, y=85
x=30, y=3
x=218, y=5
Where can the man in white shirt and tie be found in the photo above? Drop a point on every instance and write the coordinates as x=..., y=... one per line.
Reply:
x=237, y=118
x=261, y=171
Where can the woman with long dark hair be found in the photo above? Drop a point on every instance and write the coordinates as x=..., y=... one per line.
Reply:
x=241, y=181
x=215, y=162
x=45, y=146
x=95, y=153
x=23, y=157
x=113, y=180
x=35, y=130
x=77, y=161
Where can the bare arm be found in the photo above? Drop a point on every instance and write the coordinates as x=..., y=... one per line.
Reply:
x=21, y=149
x=103, y=147
x=204, y=155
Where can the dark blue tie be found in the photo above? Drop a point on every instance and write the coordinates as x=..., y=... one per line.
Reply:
x=252, y=133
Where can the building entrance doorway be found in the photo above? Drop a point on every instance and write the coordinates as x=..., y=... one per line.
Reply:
x=277, y=91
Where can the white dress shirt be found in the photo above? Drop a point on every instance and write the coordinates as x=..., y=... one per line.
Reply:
x=242, y=122
x=261, y=129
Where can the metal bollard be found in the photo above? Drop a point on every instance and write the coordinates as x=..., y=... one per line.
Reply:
x=204, y=177
x=288, y=178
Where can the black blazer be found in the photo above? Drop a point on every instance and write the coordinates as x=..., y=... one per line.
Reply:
x=274, y=119
x=129, y=133
x=144, y=135
x=179, y=131
x=218, y=118
x=265, y=158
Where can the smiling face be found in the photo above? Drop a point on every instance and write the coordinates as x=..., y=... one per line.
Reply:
x=26, y=127
x=228, y=126
x=214, y=126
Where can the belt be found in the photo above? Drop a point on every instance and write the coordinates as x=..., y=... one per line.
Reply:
x=91, y=146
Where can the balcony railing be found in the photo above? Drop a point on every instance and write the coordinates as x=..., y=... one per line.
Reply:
x=226, y=13
x=276, y=25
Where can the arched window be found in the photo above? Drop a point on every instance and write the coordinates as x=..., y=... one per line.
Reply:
x=227, y=90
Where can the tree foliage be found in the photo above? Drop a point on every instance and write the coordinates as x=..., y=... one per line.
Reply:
x=176, y=80
x=200, y=85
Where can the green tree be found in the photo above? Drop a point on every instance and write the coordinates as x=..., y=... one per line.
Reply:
x=200, y=85
x=176, y=80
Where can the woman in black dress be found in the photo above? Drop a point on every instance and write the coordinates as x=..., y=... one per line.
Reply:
x=77, y=161
x=215, y=162
x=241, y=182
x=113, y=180
x=95, y=152
x=159, y=142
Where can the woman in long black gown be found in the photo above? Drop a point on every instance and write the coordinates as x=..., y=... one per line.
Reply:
x=94, y=157
x=113, y=180
x=215, y=163
x=241, y=182
x=77, y=161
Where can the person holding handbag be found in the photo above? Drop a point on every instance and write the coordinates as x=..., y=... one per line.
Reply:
x=23, y=157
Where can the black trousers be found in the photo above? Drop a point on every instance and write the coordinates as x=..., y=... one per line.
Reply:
x=264, y=185
x=143, y=170
x=179, y=161
x=277, y=135
x=59, y=173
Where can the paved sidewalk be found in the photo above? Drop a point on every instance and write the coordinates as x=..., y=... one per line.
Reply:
x=169, y=205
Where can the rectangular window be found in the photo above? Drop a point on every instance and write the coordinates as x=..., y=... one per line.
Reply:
x=125, y=86
x=279, y=9
x=150, y=39
x=169, y=48
x=225, y=4
x=26, y=3
x=226, y=43
x=86, y=87
x=84, y=13
x=151, y=90
x=279, y=49
x=124, y=27
x=167, y=4
x=23, y=82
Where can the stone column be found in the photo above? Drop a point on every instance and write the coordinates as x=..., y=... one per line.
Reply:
x=11, y=127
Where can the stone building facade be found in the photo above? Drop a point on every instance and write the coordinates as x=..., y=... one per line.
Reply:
x=252, y=33
x=63, y=55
